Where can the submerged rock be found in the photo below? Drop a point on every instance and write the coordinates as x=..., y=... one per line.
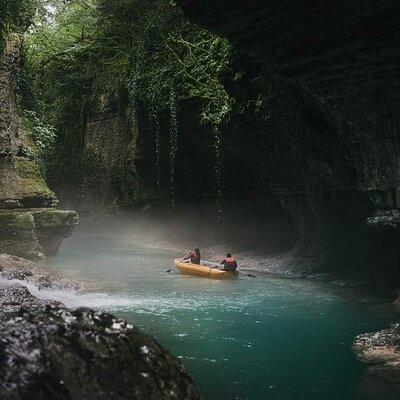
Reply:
x=54, y=353
x=383, y=350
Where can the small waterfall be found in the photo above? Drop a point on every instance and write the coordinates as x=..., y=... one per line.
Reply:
x=155, y=118
x=217, y=171
x=173, y=141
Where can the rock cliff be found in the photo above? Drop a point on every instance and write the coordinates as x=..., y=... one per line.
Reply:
x=30, y=224
x=326, y=74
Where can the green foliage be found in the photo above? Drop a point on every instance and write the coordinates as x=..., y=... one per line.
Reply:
x=41, y=133
x=146, y=47
x=93, y=57
x=15, y=16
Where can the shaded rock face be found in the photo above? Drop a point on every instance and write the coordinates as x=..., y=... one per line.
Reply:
x=29, y=225
x=327, y=72
x=383, y=350
x=8, y=127
x=111, y=150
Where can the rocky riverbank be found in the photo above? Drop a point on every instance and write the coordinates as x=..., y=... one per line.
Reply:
x=382, y=349
x=51, y=352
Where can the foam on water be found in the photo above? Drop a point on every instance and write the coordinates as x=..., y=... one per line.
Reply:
x=72, y=298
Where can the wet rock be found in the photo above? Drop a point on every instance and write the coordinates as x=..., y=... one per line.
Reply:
x=54, y=353
x=383, y=350
x=20, y=269
x=385, y=220
x=14, y=298
x=50, y=352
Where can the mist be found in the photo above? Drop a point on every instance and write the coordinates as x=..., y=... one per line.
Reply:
x=242, y=227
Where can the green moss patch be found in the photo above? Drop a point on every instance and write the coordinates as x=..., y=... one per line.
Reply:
x=22, y=179
x=18, y=236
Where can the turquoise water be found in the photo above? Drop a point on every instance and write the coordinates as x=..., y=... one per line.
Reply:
x=246, y=338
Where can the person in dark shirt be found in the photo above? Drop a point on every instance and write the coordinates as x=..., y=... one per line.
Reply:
x=193, y=256
x=229, y=264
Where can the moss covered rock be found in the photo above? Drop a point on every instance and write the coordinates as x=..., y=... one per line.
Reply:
x=52, y=226
x=34, y=234
x=23, y=185
x=18, y=235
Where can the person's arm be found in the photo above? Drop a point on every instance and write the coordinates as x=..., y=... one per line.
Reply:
x=187, y=256
x=236, y=265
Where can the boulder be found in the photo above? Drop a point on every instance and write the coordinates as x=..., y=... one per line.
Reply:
x=382, y=349
x=49, y=352
x=54, y=353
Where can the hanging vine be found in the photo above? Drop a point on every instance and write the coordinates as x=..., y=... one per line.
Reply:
x=173, y=142
x=218, y=171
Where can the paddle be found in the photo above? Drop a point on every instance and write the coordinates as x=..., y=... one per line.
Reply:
x=168, y=271
x=249, y=275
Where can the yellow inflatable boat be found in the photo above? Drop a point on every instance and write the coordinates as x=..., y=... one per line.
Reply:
x=203, y=270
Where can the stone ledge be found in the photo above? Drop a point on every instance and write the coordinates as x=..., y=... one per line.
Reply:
x=34, y=234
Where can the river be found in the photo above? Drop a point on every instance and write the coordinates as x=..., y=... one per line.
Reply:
x=246, y=338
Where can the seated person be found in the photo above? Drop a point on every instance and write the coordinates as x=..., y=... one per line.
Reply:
x=193, y=256
x=229, y=264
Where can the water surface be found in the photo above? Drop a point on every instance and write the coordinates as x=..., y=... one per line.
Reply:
x=245, y=338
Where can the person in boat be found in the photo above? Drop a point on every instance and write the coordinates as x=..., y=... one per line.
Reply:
x=229, y=264
x=193, y=256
